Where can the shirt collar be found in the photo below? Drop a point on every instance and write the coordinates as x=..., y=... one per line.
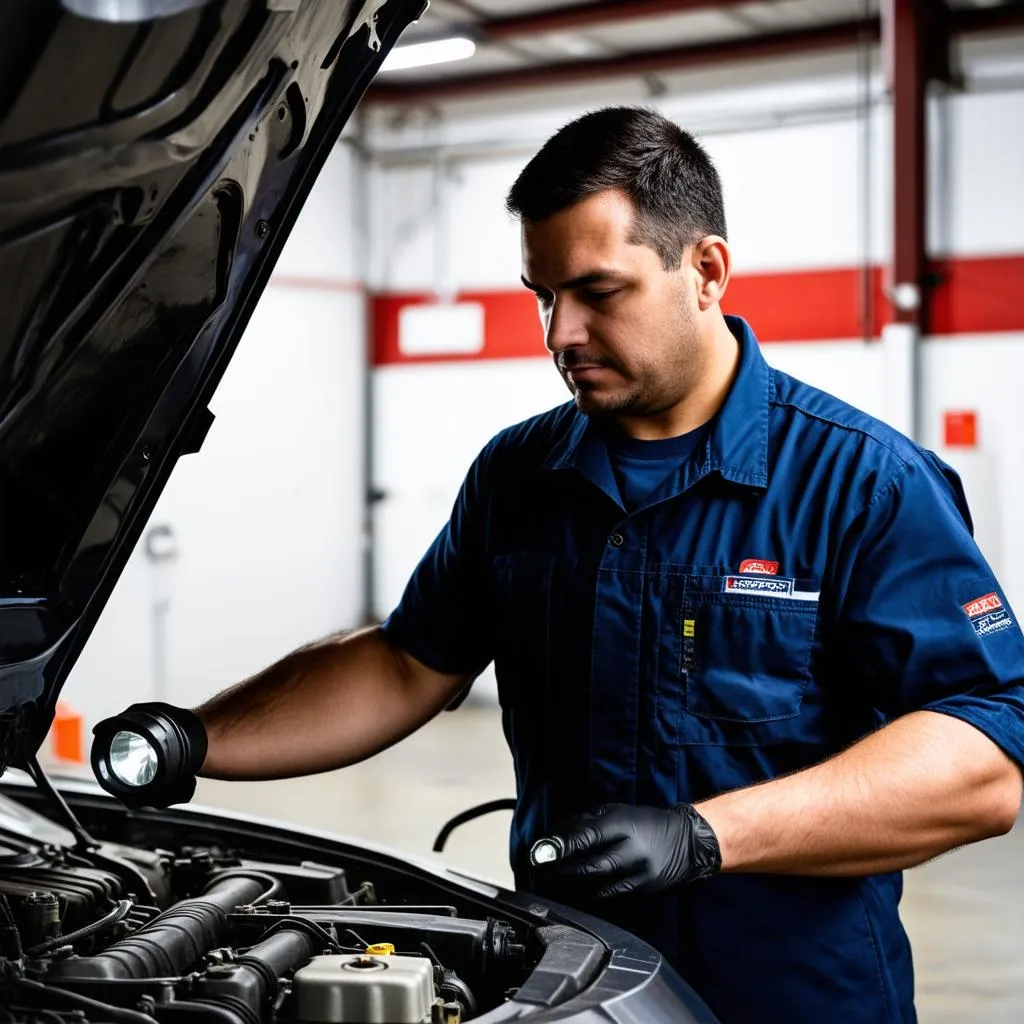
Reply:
x=737, y=446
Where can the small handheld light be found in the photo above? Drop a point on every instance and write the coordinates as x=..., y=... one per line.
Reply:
x=546, y=850
x=148, y=755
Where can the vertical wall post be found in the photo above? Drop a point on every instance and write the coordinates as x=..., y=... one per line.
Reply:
x=915, y=41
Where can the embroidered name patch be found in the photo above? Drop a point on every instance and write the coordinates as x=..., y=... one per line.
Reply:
x=987, y=614
x=753, y=585
x=759, y=566
x=760, y=586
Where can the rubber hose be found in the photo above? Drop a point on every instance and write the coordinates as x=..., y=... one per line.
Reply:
x=284, y=951
x=174, y=941
x=257, y=974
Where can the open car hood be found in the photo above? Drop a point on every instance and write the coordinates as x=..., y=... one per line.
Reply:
x=154, y=155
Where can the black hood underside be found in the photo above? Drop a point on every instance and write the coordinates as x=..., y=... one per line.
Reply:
x=154, y=155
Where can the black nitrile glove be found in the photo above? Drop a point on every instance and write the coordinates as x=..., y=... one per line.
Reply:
x=618, y=849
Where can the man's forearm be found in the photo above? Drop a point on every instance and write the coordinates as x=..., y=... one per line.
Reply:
x=324, y=706
x=917, y=788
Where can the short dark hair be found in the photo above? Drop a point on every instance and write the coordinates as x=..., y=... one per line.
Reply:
x=671, y=181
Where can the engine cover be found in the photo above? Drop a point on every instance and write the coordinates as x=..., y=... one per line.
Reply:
x=365, y=990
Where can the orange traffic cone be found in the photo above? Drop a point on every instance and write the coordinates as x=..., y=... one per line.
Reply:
x=67, y=734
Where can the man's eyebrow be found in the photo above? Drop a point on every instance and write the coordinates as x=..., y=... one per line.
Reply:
x=583, y=281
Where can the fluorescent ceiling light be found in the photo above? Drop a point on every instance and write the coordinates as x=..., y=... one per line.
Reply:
x=439, y=51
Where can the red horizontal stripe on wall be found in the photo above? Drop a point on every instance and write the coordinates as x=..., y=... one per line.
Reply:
x=975, y=295
x=808, y=305
x=979, y=294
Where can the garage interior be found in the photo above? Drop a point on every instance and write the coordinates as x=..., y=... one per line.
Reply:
x=872, y=156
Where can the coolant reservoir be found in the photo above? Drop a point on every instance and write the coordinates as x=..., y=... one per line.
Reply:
x=357, y=989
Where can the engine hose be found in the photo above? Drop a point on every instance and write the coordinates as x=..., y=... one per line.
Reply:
x=52, y=994
x=282, y=952
x=119, y=913
x=252, y=981
x=316, y=931
x=169, y=945
x=274, y=886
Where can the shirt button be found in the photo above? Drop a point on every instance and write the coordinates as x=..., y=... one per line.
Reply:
x=617, y=540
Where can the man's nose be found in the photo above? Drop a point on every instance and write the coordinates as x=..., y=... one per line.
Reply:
x=565, y=326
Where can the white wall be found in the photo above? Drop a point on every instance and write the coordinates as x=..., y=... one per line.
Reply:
x=420, y=470
x=267, y=518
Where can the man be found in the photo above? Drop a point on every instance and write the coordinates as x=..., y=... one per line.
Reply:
x=751, y=662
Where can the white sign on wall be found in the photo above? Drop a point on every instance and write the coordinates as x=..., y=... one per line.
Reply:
x=441, y=329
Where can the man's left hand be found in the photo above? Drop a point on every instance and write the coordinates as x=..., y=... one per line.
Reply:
x=618, y=849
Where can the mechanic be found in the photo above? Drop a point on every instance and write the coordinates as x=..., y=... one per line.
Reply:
x=750, y=660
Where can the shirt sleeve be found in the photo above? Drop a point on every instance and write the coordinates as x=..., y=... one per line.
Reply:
x=924, y=622
x=444, y=616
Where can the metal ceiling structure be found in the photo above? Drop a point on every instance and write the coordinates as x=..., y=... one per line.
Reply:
x=530, y=44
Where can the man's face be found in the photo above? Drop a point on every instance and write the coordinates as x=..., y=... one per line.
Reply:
x=622, y=330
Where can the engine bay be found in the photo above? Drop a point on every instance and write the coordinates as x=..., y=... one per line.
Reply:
x=218, y=930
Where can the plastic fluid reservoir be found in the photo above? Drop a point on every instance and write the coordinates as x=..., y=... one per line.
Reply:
x=358, y=989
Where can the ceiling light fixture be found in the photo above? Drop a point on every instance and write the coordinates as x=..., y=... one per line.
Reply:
x=438, y=51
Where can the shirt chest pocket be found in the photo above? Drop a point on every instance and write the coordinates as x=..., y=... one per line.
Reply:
x=745, y=646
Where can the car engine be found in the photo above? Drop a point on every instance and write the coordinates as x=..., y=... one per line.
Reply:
x=208, y=934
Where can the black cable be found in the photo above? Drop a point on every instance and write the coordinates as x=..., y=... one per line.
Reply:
x=458, y=991
x=434, y=958
x=5, y=910
x=359, y=939
x=84, y=841
x=10, y=936
x=117, y=914
x=505, y=804
x=117, y=1014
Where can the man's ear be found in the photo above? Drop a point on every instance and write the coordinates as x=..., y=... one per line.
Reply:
x=712, y=262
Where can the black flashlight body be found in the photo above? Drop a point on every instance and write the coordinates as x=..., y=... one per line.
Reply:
x=178, y=739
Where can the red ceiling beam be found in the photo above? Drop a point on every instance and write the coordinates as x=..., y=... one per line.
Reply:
x=962, y=22
x=677, y=58
x=583, y=16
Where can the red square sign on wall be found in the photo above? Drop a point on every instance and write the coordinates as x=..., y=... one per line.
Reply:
x=961, y=429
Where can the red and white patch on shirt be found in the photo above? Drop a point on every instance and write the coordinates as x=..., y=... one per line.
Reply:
x=983, y=605
x=988, y=615
x=759, y=566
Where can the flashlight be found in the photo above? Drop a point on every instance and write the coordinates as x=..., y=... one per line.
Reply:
x=148, y=755
x=546, y=850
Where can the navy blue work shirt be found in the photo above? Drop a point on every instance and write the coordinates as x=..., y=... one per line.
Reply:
x=807, y=576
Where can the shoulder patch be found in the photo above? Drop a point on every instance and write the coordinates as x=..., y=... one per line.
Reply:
x=987, y=614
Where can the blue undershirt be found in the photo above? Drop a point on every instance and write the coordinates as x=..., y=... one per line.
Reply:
x=640, y=466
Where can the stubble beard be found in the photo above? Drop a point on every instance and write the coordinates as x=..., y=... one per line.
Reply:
x=647, y=392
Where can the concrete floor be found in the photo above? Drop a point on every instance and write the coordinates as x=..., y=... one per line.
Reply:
x=964, y=912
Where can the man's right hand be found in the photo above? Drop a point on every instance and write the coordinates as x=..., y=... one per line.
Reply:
x=619, y=849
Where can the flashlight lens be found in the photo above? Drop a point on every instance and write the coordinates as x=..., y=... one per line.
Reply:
x=132, y=758
x=546, y=851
